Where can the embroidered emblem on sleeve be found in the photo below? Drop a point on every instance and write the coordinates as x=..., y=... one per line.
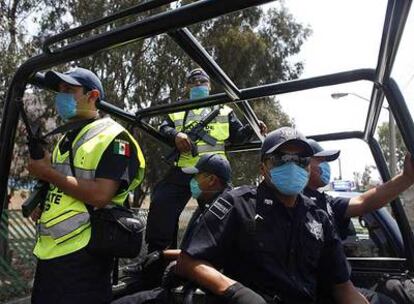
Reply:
x=220, y=208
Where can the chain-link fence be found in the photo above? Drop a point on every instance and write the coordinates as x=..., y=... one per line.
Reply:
x=17, y=262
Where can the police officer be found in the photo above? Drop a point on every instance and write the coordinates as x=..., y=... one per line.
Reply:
x=95, y=163
x=341, y=208
x=270, y=241
x=172, y=194
x=211, y=177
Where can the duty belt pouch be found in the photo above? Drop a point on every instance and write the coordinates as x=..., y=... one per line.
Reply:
x=115, y=230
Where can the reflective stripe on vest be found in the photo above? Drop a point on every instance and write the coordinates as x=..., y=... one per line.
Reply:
x=81, y=173
x=65, y=227
x=208, y=148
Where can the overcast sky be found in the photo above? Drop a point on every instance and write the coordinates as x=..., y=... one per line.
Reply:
x=346, y=35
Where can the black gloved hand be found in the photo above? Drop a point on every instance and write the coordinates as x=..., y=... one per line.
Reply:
x=151, y=258
x=239, y=294
x=153, y=266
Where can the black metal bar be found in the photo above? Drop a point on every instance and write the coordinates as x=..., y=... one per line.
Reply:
x=132, y=119
x=193, y=48
x=10, y=118
x=338, y=136
x=250, y=146
x=250, y=116
x=396, y=206
x=262, y=91
x=395, y=19
x=401, y=113
x=158, y=24
x=140, y=8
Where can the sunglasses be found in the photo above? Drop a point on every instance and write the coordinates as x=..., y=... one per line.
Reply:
x=281, y=159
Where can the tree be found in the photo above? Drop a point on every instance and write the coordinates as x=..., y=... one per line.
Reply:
x=366, y=178
x=144, y=73
x=384, y=141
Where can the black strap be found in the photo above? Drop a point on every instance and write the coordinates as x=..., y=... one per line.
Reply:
x=185, y=120
x=69, y=127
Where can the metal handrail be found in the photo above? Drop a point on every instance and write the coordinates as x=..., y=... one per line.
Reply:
x=137, y=9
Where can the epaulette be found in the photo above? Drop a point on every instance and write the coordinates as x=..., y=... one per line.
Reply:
x=309, y=202
x=244, y=191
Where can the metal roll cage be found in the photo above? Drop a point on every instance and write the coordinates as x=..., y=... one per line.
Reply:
x=173, y=22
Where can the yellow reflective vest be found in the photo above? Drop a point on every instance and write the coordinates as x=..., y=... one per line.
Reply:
x=218, y=128
x=64, y=225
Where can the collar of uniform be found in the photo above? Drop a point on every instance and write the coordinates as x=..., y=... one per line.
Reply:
x=313, y=194
x=265, y=194
x=206, y=203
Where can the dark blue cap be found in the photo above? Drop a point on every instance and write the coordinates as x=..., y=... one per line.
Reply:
x=197, y=73
x=214, y=164
x=328, y=155
x=76, y=77
x=278, y=138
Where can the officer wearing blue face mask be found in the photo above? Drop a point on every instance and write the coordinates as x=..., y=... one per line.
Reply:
x=272, y=244
x=95, y=163
x=342, y=209
x=172, y=194
x=210, y=178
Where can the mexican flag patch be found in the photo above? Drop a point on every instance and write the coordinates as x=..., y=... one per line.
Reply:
x=122, y=147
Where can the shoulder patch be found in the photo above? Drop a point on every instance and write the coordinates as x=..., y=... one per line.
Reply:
x=243, y=190
x=122, y=147
x=220, y=208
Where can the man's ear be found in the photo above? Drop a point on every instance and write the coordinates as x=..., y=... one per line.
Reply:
x=263, y=169
x=213, y=180
x=93, y=96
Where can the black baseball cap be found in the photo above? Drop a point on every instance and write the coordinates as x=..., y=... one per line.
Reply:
x=77, y=77
x=197, y=73
x=278, y=138
x=214, y=164
x=328, y=155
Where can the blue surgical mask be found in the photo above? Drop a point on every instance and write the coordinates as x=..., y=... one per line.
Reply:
x=325, y=172
x=195, y=188
x=199, y=92
x=289, y=178
x=65, y=105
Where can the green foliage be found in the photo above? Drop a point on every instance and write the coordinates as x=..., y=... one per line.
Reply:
x=384, y=141
x=252, y=46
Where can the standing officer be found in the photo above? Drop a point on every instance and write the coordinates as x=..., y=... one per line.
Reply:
x=95, y=163
x=211, y=177
x=341, y=208
x=172, y=194
x=272, y=243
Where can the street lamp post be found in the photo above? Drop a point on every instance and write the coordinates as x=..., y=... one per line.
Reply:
x=391, y=127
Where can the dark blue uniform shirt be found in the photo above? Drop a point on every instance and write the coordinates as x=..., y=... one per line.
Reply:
x=272, y=249
x=334, y=206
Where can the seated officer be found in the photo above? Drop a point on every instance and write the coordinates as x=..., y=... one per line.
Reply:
x=211, y=176
x=271, y=242
x=341, y=208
